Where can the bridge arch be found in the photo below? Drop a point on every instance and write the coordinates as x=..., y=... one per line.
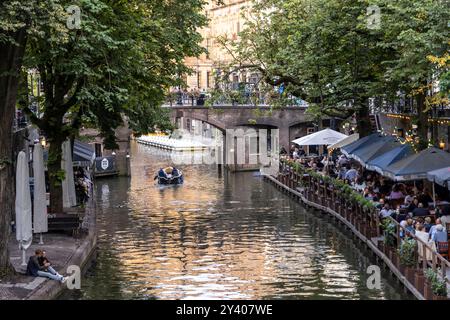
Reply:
x=201, y=117
x=231, y=117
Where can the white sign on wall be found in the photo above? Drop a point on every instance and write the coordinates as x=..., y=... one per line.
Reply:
x=105, y=164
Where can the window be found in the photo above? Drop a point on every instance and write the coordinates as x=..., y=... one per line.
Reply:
x=199, y=79
x=208, y=79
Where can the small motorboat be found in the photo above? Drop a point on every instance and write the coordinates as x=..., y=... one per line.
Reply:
x=169, y=175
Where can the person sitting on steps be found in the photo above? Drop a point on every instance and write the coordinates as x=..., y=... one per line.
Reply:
x=35, y=269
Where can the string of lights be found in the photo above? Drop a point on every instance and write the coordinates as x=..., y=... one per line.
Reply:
x=440, y=121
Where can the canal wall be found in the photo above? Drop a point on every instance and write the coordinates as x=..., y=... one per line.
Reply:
x=369, y=242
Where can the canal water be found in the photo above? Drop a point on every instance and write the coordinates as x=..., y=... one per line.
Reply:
x=229, y=237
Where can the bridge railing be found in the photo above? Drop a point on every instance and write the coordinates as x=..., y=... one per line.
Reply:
x=227, y=105
x=203, y=99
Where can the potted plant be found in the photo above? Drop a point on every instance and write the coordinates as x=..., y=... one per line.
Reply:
x=438, y=285
x=388, y=235
x=408, y=259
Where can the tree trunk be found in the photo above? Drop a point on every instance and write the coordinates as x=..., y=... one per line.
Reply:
x=54, y=172
x=422, y=122
x=363, y=120
x=10, y=63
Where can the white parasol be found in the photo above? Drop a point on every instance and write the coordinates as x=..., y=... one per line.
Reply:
x=40, y=222
x=68, y=184
x=24, y=232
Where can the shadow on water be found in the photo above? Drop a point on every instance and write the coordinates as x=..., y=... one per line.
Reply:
x=219, y=237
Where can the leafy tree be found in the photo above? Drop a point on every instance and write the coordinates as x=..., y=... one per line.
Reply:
x=322, y=51
x=328, y=53
x=415, y=31
x=12, y=43
x=121, y=61
x=19, y=20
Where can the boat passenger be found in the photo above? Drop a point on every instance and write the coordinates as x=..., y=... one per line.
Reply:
x=161, y=174
x=176, y=174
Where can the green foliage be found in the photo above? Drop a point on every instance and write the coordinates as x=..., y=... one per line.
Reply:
x=438, y=285
x=389, y=230
x=407, y=252
x=324, y=52
x=58, y=176
x=118, y=65
x=343, y=189
x=122, y=61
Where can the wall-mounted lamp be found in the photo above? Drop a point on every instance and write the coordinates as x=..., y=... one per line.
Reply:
x=43, y=142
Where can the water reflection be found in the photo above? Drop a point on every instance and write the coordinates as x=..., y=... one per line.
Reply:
x=234, y=237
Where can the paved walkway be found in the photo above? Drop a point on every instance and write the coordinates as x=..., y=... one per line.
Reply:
x=60, y=248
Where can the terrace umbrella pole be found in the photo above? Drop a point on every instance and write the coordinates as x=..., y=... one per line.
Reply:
x=434, y=196
x=24, y=255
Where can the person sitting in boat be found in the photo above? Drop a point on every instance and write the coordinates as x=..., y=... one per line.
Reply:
x=169, y=172
x=161, y=174
x=176, y=174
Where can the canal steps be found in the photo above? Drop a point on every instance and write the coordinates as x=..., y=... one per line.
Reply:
x=370, y=242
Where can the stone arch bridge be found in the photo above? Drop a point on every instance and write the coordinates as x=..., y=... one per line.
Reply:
x=292, y=122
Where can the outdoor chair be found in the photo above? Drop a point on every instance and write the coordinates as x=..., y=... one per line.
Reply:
x=442, y=249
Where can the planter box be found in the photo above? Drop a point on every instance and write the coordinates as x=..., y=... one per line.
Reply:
x=409, y=274
x=419, y=281
x=427, y=292
x=402, y=269
x=386, y=251
x=391, y=253
x=435, y=297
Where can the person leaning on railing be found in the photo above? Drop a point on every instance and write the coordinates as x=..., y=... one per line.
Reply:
x=439, y=234
x=445, y=216
x=424, y=236
x=440, y=238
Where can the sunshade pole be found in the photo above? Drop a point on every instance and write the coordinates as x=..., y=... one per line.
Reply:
x=24, y=255
x=434, y=196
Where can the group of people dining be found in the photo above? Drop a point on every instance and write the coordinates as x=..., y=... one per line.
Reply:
x=410, y=204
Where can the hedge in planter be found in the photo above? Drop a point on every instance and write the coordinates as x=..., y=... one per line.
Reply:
x=388, y=232
x=407, y=253
x=408, y=258
x=438, y=285
x=343, y=189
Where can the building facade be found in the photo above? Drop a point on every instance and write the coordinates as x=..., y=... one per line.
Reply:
x=225, y=20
